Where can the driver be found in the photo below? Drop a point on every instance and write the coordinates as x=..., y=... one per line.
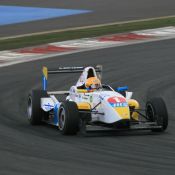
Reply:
x=92, y=83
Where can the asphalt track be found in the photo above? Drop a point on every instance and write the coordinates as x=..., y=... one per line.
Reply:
x=104, y=11
x=148, y=69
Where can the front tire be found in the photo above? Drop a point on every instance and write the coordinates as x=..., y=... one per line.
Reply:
x=68, y=118
x=156, y=111
x=34, y=111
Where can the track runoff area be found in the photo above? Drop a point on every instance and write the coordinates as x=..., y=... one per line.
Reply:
x=10, y=57
x=19, y=14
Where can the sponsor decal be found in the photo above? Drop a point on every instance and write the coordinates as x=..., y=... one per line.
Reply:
x=102, y=97
x=77, y=95
x=91, y=99
x=117, y=102
x=72, y=90
x=48, y=106
x=82, y=78
x=85, y=98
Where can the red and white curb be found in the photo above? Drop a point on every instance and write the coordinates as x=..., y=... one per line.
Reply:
x=11, y=57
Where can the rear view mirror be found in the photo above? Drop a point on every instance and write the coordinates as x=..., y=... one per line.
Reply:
x=122, y=89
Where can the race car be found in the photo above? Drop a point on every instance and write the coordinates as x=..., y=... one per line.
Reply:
x=91, y=103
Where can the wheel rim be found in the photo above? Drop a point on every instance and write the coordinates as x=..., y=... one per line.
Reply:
x=62, y=118
x=29, y=108
x=150, y=112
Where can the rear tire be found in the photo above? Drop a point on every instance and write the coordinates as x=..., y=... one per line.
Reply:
x=156, y=111
x=34, y=111
x=68, y=118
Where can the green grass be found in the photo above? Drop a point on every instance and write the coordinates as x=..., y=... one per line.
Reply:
x=26, y=41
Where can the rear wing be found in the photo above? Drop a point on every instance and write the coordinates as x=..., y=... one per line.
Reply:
x=46, y=72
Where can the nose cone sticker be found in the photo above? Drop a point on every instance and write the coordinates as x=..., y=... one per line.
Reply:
x=117, y=102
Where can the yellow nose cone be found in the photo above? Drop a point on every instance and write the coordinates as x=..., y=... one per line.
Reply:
x=123, y=112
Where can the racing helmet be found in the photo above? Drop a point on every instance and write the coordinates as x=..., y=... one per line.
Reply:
x=93, y=83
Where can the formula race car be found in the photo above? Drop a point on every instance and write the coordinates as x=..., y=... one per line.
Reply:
x=91, y=103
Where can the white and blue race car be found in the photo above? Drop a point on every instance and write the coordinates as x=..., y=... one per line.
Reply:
x=90, y=103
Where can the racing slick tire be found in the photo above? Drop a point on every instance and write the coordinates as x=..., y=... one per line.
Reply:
x=34, y=112
x=156, y=111
x=68, y=118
